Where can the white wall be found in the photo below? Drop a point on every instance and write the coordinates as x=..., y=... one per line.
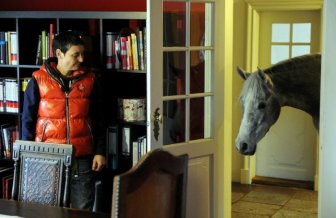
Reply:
x=327, y=184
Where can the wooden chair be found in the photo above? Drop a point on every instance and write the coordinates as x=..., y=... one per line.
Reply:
x=42, y=172
x=154, y=187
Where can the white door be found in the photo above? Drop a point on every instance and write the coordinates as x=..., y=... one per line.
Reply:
x=180, y=91
x=288, y=150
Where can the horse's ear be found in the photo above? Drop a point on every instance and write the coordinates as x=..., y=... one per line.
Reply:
x=261, y=74
x=265, y=77
x=243, y=74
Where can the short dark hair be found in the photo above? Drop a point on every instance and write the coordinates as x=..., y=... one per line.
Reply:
x=65, y=40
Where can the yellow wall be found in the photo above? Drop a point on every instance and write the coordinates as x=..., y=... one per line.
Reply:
x=239, y=59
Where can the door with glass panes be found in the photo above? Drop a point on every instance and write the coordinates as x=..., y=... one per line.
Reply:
x=288, y=150
x=180, y=91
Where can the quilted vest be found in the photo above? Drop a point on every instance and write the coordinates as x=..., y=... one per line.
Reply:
x=63, y=116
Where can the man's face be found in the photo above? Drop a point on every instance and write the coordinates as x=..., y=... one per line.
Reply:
x=71, y=60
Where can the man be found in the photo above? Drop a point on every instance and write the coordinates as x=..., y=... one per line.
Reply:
x=61, y=105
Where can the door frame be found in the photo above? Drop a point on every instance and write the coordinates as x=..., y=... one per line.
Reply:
x=254, y=8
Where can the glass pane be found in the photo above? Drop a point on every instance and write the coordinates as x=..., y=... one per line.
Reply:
x=200, y=20
x=301, y=32
x=173, y=73
x=279, y=53
x=298, y=50
x=174, y=24
x=200, y=113
x=200, y=71
x=280, y=32
x=173, y=121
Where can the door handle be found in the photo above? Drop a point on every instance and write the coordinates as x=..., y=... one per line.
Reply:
x=157, y=119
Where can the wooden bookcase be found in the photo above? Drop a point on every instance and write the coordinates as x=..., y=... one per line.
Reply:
x=116, y=83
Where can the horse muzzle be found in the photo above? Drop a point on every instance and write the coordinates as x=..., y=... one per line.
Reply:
x=245, y=148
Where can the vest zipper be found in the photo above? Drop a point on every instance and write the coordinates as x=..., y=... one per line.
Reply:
x=67, y=117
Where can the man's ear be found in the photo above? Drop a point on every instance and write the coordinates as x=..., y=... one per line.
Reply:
x=59, y=53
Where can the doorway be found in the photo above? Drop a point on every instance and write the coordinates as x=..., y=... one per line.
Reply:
x=288, y=151
x=254, y=11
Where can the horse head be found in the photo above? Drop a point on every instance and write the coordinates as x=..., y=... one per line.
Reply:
x=261, y=110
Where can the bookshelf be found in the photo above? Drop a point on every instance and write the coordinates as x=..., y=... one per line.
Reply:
x=117, y=83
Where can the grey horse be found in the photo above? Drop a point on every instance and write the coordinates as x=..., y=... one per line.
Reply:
x=294, y=82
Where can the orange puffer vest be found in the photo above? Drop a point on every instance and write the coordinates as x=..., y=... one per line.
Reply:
x=63, y=117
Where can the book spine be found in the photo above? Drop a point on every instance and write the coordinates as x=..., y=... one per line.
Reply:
x=126, y=140
x=9, y=50
x=112, y=149
x=2, y=103
x=141, y=51
x=123, y=53
x=6, y=48
x=51, y=38
x=109, y=49
x=43, y=46
x=129, y=54
x=2, y=48
x=14, y=48
x=116, y=49
x=38, y=51
x=135, y=51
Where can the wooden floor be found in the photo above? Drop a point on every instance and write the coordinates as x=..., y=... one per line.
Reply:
x=262, y=201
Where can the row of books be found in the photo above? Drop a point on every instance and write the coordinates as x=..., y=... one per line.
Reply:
x=126, y=52
x=126, y=142
x=9, y=133
x=6, y=179
x=9, y=99
x=8, y=48
x=44, y=45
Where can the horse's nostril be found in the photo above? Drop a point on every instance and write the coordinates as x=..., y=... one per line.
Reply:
x=244, y=147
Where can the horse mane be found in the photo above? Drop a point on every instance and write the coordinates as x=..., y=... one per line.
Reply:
x=301, y=69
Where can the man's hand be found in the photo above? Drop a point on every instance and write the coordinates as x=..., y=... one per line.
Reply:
x=98, y=162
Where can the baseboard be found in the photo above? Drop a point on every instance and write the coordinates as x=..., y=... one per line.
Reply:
x=283, y=182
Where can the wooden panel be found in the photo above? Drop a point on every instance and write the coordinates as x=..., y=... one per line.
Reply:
x=198, y=191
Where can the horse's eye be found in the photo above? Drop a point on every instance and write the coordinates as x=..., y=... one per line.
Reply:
x=261, y=105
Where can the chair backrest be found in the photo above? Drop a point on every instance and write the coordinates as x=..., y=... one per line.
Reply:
x=42, y=172
x=154, y=187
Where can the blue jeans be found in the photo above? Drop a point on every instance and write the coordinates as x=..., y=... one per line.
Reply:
x=82, y=184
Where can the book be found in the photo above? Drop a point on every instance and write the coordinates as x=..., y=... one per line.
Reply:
x=2, y=48
x=109, y=50
x=2, y=95
x=4, y=172
x=9, y=48
x=51, y=38
x=126, y=140
x=135, y=51
x=112, y=147
x=14, y=48
x=123, y=52
x=10, y=95
x=7, y=184
x=141, y=51
x=9, y=135
x=43, y=45
x=129, y=54
x=135, y=152
x=116, y=52
x=38, y=60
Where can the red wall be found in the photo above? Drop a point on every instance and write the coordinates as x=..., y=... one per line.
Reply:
x=73, y=5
